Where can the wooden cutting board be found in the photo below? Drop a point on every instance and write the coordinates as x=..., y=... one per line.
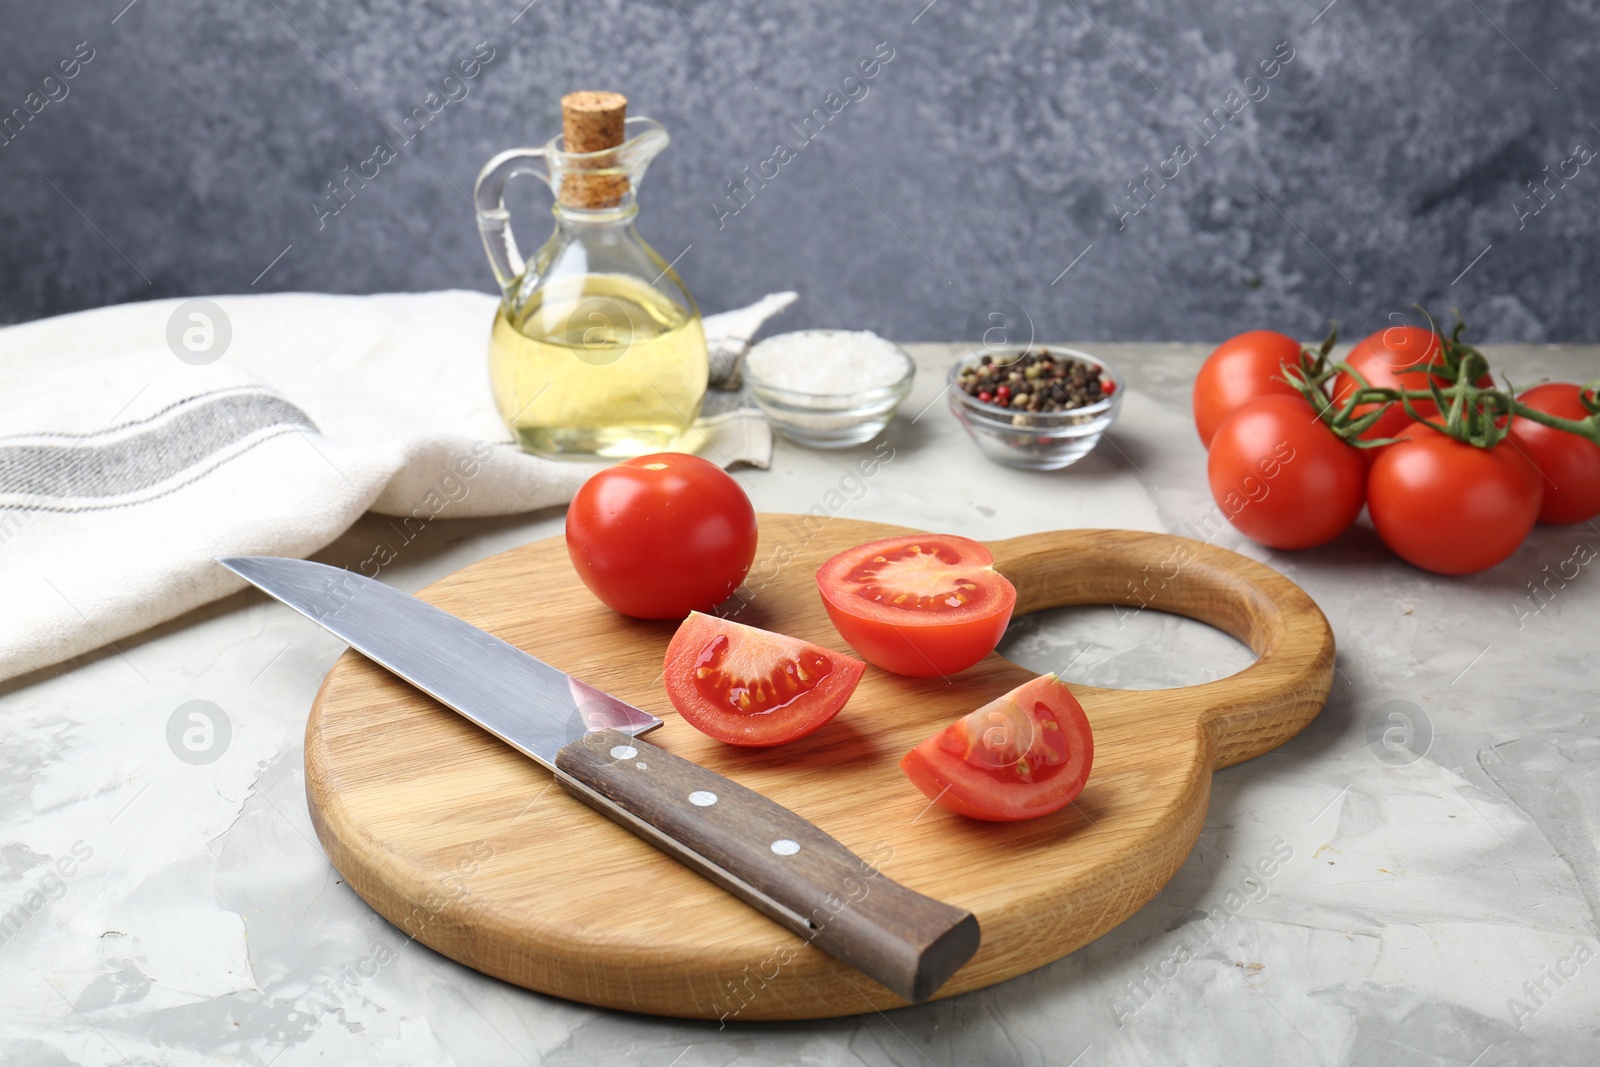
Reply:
x=469, y=847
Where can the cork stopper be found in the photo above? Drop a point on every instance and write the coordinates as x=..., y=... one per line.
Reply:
x=593, y=122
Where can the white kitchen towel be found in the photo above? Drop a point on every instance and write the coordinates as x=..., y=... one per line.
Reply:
x=139, y=442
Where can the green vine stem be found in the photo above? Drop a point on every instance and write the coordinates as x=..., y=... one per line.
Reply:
x=1479, y=415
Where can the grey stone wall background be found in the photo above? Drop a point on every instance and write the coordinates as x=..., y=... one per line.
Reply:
x=1387, y=161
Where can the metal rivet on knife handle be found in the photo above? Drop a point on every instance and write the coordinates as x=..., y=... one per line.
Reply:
x=767, y=855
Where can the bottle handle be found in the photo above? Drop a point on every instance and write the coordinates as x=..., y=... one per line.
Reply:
x=494, y=221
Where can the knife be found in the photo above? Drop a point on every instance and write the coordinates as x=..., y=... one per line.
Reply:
x=758, y=850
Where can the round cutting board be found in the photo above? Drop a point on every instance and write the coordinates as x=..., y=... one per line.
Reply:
x=469, y=847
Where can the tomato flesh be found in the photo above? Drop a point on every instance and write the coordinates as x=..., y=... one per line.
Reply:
x=920, y=605
x=752, y=687
x=744, y=679
x=1024, y=755
x=1570, y=465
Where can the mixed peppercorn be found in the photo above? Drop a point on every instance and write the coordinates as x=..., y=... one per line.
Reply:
x=1036, y=380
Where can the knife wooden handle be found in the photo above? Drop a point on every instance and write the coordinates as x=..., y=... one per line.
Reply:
x=774, y=860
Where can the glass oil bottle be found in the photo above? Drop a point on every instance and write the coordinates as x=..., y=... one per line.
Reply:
x=597, y=349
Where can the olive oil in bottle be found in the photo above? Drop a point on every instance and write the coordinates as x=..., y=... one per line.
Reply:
x=598, y=365
x=597, y=350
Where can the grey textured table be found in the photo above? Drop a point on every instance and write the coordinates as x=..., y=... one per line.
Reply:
x=1434, y=899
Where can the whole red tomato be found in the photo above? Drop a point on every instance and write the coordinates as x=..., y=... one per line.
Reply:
x=1380, y=359
x=1570, y=465
x=1449, y=507
x=1239, y=370
x=657, y=537
x=1282, y=477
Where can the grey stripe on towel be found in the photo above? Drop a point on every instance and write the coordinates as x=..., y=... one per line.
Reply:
x=129, y=464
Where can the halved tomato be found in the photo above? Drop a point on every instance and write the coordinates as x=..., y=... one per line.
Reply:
x=921, y=604
x=1024, y=755
x=753, y=687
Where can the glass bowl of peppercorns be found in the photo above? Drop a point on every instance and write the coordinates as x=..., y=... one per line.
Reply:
x=1037, y=408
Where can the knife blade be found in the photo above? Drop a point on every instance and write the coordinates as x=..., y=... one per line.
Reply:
x=756, y=849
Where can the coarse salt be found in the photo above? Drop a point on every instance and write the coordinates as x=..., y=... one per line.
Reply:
x=826, y=362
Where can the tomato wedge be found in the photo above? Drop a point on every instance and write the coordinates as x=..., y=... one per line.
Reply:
x=920, y=605
x=1019, y=757
x=753, y=687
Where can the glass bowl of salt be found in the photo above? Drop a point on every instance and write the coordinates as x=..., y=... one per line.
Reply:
x=828, y=388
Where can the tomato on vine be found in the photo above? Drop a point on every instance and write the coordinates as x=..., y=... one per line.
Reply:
x=1570, y=465
x=1382, y=358
x=1451, y=507
x=1458, y=470
x=1282, y=477
x=1240, y=369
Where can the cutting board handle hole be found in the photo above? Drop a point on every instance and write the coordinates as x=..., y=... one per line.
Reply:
x=1115, y=647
